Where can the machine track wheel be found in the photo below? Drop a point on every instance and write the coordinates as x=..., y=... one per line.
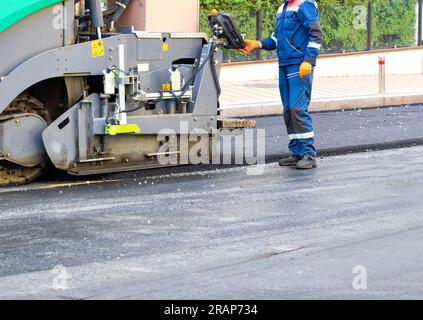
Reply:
x=13, y=174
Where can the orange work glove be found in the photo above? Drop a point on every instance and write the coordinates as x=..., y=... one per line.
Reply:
x=250, y=46
x=305, y=69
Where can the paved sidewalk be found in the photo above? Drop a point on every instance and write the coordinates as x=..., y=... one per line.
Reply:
x=254, y=98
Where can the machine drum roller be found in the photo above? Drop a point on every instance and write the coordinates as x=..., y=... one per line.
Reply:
x=22, y=155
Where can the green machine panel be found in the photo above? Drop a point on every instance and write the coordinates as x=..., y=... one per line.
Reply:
x=12, y=11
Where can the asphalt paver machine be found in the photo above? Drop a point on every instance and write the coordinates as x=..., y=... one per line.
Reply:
x=89, y=98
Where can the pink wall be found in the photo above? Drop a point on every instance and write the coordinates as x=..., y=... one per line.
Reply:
x=162, y=15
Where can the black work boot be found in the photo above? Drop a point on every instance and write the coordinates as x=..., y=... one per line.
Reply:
x=307, y=162
x=291, y=161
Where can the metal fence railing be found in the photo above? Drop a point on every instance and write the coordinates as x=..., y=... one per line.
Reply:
x=363, y=25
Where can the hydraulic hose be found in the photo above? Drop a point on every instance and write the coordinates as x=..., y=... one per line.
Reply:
x=115, y=12
x=122, y=5
x=197, y=71
x=214, y=73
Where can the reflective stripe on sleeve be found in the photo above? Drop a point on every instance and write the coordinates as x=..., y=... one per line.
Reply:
x=274, y=38
x=314, y=45
x=293, y=8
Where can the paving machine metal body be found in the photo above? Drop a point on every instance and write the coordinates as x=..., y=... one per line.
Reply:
x=89, y=99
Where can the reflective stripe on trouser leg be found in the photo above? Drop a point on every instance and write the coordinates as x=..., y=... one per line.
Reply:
x=297, y=92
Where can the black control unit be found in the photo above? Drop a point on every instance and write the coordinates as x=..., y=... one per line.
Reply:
x=225, y=29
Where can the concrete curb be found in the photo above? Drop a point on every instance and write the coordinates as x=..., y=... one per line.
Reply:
x=267, y=108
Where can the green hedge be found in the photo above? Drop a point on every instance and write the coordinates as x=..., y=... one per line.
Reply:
x=343, y=22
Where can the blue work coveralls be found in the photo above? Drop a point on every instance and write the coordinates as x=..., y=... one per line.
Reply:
x=298, y=38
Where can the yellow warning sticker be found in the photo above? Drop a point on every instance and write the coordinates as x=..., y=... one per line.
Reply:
x=97, y=48
x=166, y=87
x=165, y=47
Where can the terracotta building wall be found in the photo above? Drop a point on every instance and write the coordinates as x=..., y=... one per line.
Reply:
x=162, y=15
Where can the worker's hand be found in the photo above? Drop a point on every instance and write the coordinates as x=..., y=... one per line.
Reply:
x=305, y=69
x=250, y=46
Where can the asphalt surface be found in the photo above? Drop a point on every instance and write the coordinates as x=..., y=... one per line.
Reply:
x=337, y=133
x=220, y=233
x=223, y=234
x=343, y=132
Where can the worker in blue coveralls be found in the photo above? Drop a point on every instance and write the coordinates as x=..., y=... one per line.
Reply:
x=297, y=39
